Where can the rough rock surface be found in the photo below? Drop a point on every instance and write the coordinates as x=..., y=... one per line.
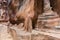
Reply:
x=4, y=35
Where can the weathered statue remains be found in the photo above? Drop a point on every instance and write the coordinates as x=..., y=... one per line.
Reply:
x=4, y=10
x=25, y=12
x=49, y=18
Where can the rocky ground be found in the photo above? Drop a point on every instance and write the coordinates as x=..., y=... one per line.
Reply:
x=34, y=35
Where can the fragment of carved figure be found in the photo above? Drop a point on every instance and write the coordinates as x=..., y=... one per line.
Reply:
x=25, y=12
x=49, y=18
x=54, y=18
x=1, y=12
x=4, y=10
x=48, y=9
x=47, y=5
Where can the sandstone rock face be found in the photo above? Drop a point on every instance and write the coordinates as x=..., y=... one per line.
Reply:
x=55, y=5
x=38, y=6
x=48, y=27
x=58, y=6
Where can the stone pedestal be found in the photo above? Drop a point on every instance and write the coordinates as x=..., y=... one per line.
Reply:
x=48, y=20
